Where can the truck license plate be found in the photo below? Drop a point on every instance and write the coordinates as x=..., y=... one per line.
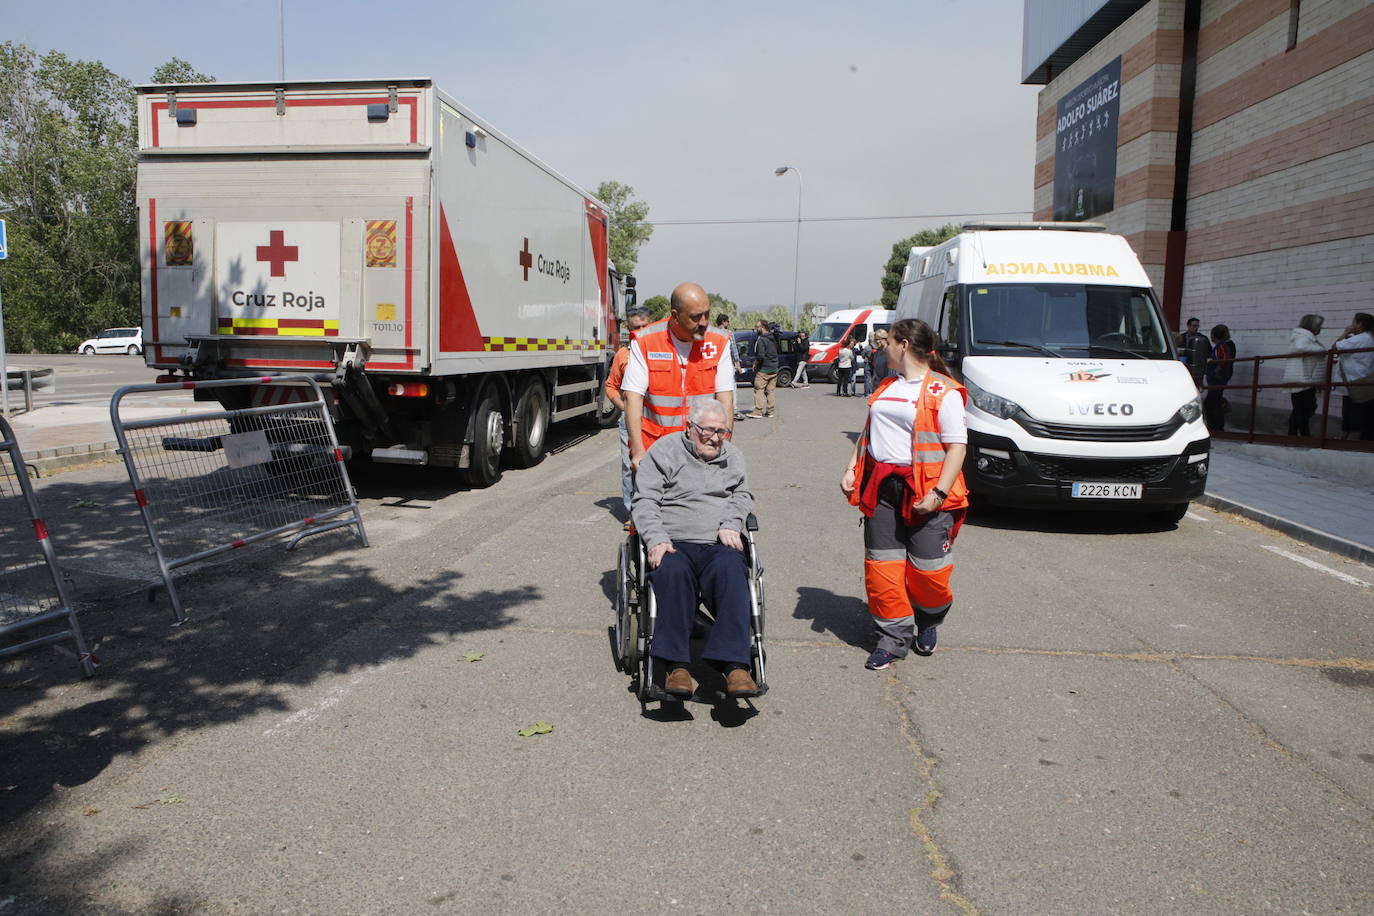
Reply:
x=1106, y=491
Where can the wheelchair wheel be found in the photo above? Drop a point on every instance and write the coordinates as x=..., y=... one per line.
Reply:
x=627, y=612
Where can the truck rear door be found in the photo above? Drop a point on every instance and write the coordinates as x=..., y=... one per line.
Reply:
x=283, y=225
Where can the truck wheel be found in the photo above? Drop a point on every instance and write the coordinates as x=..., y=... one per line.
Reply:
x=784, y=378
x=484, y=465
x=530, y=421
x=605, y=416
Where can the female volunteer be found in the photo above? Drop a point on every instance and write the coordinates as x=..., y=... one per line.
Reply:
x=906, y=476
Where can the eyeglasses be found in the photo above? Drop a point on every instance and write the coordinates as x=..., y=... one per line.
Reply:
x=710, y=432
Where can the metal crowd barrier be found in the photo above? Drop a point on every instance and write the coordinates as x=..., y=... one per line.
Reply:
x=1251, y=391
x=33, y=593
x=208, y=483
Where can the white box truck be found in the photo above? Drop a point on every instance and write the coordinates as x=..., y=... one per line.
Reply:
x=1076, y=396
x=453, y=290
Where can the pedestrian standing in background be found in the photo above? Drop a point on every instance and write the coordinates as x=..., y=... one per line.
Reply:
x=635, y=318
x=906, y=476
x=1357, y=406
x=1196, y=348
x=1219, y=372
x=723, y=324
x=804, y=347
x=877, y=363
x=844, y=370
x=765, y=369
x=1307, y=370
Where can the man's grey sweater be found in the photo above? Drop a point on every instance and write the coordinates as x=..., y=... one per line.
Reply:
x=681, y=497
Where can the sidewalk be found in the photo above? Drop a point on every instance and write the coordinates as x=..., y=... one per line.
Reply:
x=1321, y=498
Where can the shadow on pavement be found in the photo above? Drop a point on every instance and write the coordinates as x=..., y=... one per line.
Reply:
x=263, y=623
x=843, y=616
x=982, y=515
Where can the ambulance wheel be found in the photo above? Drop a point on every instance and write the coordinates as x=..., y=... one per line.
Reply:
x=132, y=351
x=484, y=463
x=88, y=350
x=530, y=420
x=784, y=378
x=1174, y=514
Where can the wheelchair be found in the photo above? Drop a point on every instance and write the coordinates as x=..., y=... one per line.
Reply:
x=635, y=614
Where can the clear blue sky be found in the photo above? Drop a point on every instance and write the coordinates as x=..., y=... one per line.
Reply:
x=887, y=108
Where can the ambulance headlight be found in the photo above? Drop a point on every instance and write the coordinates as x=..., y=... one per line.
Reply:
x=1191, y=410
x=991, y=403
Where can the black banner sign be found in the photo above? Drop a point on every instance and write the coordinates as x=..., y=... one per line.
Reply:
x=1085, y=146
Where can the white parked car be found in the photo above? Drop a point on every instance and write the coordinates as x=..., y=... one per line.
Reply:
x=114, y=340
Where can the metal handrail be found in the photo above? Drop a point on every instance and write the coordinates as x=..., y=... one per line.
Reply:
x=1322, y=440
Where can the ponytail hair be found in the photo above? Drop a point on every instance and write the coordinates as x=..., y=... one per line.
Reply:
x=922, y=340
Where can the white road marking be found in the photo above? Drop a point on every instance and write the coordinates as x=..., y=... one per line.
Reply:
x=1317, y=566
x=1195, y=517
x=332, y=699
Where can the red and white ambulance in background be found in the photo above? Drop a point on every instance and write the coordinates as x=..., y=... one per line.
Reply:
x=857, y=325
x=453, y=290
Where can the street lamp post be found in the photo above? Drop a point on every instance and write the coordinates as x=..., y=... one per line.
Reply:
x=796, y=252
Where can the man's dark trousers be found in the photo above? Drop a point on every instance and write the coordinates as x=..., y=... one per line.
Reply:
x=719, y=574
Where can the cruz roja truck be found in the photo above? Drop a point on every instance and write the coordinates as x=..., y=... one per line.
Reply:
x=1076, y=396
x=451, y=290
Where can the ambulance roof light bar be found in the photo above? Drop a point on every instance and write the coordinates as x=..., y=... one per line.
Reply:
x=1062, y=225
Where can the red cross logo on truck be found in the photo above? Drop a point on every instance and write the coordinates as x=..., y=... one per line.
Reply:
x=276, y=252
x=525, y=260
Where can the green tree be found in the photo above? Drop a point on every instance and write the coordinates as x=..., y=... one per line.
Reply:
x=68, y=146
x=177, y=70
x=901, y=251
x=629, y=231
x=657, y=306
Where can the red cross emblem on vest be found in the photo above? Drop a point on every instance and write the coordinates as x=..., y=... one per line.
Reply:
x=708, y=349
x=935, y=388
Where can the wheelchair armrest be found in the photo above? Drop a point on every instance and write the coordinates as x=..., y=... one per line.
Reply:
x=751, y=523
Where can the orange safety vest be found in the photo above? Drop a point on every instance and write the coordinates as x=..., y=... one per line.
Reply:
x=927, y=451
x=672, y=392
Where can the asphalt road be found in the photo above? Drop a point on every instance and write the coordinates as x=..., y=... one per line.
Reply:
x=80, y=380
x=1121, y=717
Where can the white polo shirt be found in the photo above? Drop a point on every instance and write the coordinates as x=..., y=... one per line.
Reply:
x=637, y=371
x=893, y=414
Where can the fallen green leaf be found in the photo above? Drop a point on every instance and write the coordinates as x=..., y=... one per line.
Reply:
x=474, y=656
x=538, y=728
x=172, y=800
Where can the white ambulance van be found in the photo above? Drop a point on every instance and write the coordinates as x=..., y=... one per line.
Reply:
x=857, y=325
x=1076, y=396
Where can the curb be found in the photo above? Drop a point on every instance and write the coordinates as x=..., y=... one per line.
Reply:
x=47, y=460
x=1299, y=532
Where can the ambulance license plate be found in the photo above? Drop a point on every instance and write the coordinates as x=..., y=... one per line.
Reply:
x=1106, y=491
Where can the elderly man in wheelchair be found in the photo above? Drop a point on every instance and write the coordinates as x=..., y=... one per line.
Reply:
x=691, y=514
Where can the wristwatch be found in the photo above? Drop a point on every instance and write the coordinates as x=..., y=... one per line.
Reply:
x=941, y=494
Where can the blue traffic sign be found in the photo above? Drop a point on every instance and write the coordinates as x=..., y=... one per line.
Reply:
x=4, y=245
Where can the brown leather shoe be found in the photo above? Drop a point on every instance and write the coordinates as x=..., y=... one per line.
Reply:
x=739, y=684
x=679, y=683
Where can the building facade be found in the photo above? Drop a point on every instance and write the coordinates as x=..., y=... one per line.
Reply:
x=1231, y=141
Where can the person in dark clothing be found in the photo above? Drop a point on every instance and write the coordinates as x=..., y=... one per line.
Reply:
x=765, y=370
x=1219, y=372
x=1196, y=347
x=877, y=364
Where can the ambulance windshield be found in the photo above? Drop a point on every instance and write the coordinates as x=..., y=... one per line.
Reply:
x=1031, y=319
x=829, y=332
